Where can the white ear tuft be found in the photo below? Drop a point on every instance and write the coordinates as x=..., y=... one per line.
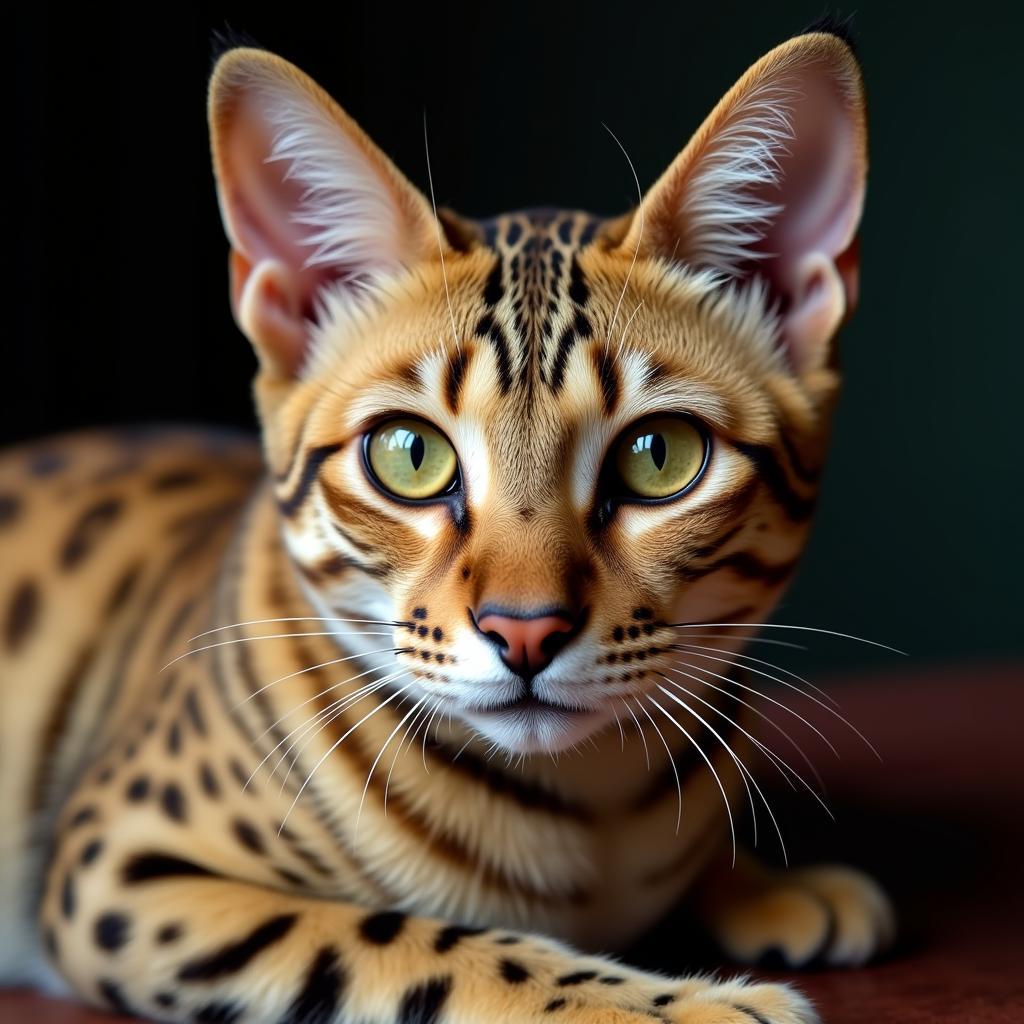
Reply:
x=309, y=203
x=771, y=186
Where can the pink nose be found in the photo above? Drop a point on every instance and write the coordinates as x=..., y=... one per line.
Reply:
x=528, y=645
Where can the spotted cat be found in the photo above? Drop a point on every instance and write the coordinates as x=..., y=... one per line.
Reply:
x=515, y=473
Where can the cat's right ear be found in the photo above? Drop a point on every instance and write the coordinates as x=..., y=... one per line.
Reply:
x=309, y=203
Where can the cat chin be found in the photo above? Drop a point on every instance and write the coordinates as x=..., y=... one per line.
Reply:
x=537, y=730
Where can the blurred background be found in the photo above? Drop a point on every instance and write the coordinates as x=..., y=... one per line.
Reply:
x=120, y=299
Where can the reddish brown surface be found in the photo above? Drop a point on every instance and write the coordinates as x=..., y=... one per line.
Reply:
x=939, y=822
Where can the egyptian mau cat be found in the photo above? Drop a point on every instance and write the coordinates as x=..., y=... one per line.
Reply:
x=518, y=472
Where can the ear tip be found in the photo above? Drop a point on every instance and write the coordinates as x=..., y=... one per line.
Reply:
x=838, y=26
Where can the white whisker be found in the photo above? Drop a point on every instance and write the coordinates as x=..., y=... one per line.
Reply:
x=707, y=761
x=266, y=636
x=298, y=618
x=779, y=625
x=672, y=765
x=437, y=226
x=643, y=738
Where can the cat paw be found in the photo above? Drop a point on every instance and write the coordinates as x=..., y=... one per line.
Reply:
x=831, y=914
x=741, y=1002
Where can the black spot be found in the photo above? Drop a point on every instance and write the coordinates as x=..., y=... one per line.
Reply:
x=115, y=999
x=90, y=852
x=22, y=614
x=419, y=613
x=493, y=289
x=422, y=1004
x=67, y=897
x=611, y=979
x=87, y=531
x=174, y=739
x=449, y=936
x=169, y=933
x=290, y=877
x=130, y=750
x=383, y=928
x=437, y=634
x=643, y=613
x=10, y=507
x=240, y=774
x=663, y=1000
x=247, y=835
x=172, y=800
x=634, y=632
x=576, y=978
x=111, y=931
x=82, y=817
x=218, y=1013
x=165, y=999
x=515, y=230
x=578, y=290
x=514, y=973
x=231, y=958
x=555, y=1004
x=619, y=634
x=648, y=628
x=150, y=867
x=194, y=714
x=138, y=789
x=509, y=940
x=208, y=781
x=317, y=1003
x=465, y=572
x=423, y=630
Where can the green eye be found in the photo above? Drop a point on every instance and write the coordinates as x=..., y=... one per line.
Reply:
x=660, y=456
x=411, y=458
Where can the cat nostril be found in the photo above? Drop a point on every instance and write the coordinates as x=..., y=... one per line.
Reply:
x=527, y=643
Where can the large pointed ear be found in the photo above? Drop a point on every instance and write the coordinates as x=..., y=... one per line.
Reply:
x=772, y=185
x=308, y=202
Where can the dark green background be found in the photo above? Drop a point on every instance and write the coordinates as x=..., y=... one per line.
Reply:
x=121, y=300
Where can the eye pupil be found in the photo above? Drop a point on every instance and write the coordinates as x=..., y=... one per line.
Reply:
x=416, y=451
x=659, y=450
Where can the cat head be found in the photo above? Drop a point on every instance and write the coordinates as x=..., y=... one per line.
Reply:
x=538, y=444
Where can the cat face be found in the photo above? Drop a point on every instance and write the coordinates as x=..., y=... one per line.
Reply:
x=541, y=443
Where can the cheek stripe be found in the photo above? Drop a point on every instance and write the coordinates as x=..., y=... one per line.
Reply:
x=314, y=459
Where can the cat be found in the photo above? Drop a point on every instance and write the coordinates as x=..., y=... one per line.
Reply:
x=520, y=479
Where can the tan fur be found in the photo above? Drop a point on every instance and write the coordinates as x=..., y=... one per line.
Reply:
x=217, y=832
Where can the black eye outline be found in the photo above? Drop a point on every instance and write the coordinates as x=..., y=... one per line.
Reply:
x=613, y=491
x=452, y=492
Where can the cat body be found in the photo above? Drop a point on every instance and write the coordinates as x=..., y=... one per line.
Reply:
x=387, y=721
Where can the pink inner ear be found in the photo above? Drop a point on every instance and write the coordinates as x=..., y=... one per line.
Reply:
x=262, y=205
x=820, y=188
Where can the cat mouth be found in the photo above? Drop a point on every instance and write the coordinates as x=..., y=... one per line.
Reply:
x=530, y=704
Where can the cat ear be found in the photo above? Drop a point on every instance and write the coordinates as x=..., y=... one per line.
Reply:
x=772, y=185
x=308, y=203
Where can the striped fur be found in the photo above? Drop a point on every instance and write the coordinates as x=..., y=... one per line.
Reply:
x=205, y=818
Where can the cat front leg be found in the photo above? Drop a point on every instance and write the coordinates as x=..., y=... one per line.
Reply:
x=155, y=933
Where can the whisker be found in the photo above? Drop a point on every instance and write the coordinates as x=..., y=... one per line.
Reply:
x=775, y=759
x=437, y=226
x=313, y=668
x=373, y=767
x=707, y=761
x=796, y=689
x=426, y=732
x=643, y=738
x=407, y=741
x=745, y=773
x=343, y=704
x=769, y=664
x=780, y=625
x=757, y=711
x=334, y=746
x=636, y=253
x=622, y=338
x=298, y=618
x=764, y=696
x=622, y=735
x=746, y=639
x=266, y=636
x=672, y=765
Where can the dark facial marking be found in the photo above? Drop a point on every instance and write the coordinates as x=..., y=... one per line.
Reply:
x=419, y=613
x=165, y=999
x=315, y=458
x=218, y=1013
x=576, y=978
x=493, y=332
x=234, y=956
x=67, y=897
x=138, y=789
x=82, y=816
x=90, y=852
x=152, y=867
x=177, y=479
x=169, y=933
x=10, y=509
x=608, y=378
x=208, y=781
x=248, y=836
x=555, y=1004
x=455, y=376
x=115, y=999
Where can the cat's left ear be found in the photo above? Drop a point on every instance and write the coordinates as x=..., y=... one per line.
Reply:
x=308, y=203
x=772, y=184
